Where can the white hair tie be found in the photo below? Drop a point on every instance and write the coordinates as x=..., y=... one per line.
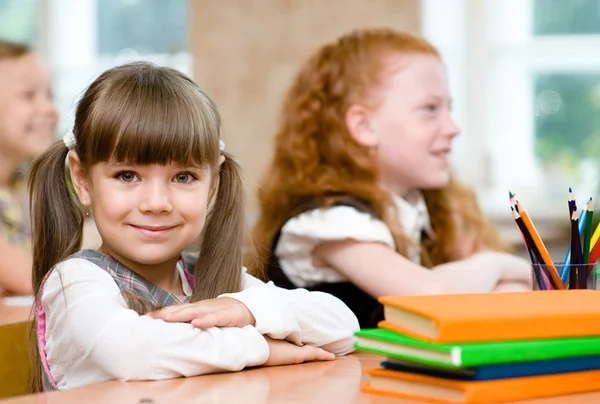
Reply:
x=69, y=140
x=221, y=146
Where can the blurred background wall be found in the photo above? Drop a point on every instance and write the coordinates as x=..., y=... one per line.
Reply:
x=246, y=55
x=524, y=76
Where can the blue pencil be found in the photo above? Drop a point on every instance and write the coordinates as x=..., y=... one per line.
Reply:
x=565, y=269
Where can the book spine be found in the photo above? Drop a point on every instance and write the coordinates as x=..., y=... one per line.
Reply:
x=486, y=354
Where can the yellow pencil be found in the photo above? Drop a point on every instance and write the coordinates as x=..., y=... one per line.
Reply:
x=595, y=237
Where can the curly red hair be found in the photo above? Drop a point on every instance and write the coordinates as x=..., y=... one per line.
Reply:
x=315, y=157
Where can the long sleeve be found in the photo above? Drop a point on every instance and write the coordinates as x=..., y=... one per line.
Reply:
x=299, y=316
x=91, y=335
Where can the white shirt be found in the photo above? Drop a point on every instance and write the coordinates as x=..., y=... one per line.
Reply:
x=302, y=233
x=92, y=337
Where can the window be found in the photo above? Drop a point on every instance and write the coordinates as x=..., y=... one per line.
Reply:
x=18, y=20
x=559, y=17
x=525, y=75
x=86, y=37
x=148, y=27
x=81, y=38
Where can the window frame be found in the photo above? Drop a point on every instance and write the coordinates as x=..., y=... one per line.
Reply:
x=74, y=60
x=492, y=57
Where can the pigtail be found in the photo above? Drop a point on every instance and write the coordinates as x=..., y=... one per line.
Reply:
x=56, y=228
x=56, y=220
x=218, y=268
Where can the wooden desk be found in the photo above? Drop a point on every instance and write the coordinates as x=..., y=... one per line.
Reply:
x=13, y=314
x=322, y=382
x=14, y=353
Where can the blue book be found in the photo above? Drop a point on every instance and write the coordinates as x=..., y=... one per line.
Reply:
x=498, y=371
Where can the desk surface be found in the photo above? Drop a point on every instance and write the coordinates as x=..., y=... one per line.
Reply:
x=10, y=313
x=320, y=382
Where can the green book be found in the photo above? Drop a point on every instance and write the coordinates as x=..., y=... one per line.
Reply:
x=456, y=355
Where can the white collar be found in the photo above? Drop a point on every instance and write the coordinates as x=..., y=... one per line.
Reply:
x=414, y=215
x=187, y=288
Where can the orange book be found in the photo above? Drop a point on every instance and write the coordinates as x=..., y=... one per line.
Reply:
x=438, y=390
x=494, y=316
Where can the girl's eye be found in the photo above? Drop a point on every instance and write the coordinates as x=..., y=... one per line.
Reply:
x=127, y=176
x=184, y=178
x=431, y=107
x=28, y=95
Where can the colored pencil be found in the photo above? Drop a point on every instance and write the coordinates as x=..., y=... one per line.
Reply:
x=587, y=236
x=595, y=237
x=513, y=206
x=594, y=254
x=573, y=268
x=539, y=269
x=567, y=260
x=571, y=202
x=545, y=255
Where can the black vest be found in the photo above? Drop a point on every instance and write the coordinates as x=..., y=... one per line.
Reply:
x=367, y=309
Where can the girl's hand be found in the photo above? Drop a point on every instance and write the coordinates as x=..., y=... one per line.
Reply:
x=510, y=267
x=285, y=353
x=220, y=312
x=484, y=272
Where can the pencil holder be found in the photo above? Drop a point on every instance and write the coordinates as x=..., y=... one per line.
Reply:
x=580, y=276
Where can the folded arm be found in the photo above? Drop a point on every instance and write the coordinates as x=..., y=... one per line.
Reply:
x=90, y=328
x=299, y=316
x=380, y=271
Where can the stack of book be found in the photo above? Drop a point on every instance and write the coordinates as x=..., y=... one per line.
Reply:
x=486, y=348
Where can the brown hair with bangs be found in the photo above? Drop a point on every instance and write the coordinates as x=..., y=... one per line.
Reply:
x=140, y=114
x=315, y=157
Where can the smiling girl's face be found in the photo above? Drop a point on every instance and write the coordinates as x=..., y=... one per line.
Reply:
x=411, y=124
x=28, y=117
x=145, y=214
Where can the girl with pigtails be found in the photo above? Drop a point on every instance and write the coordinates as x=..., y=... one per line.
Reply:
x=145, y=157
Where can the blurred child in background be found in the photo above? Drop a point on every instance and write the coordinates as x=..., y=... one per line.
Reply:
x=28, y=119
x=359, y=200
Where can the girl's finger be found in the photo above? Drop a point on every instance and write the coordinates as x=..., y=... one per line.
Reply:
x=188, y=314
x=318, y=354
x=168, y=310
x=222, y=318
